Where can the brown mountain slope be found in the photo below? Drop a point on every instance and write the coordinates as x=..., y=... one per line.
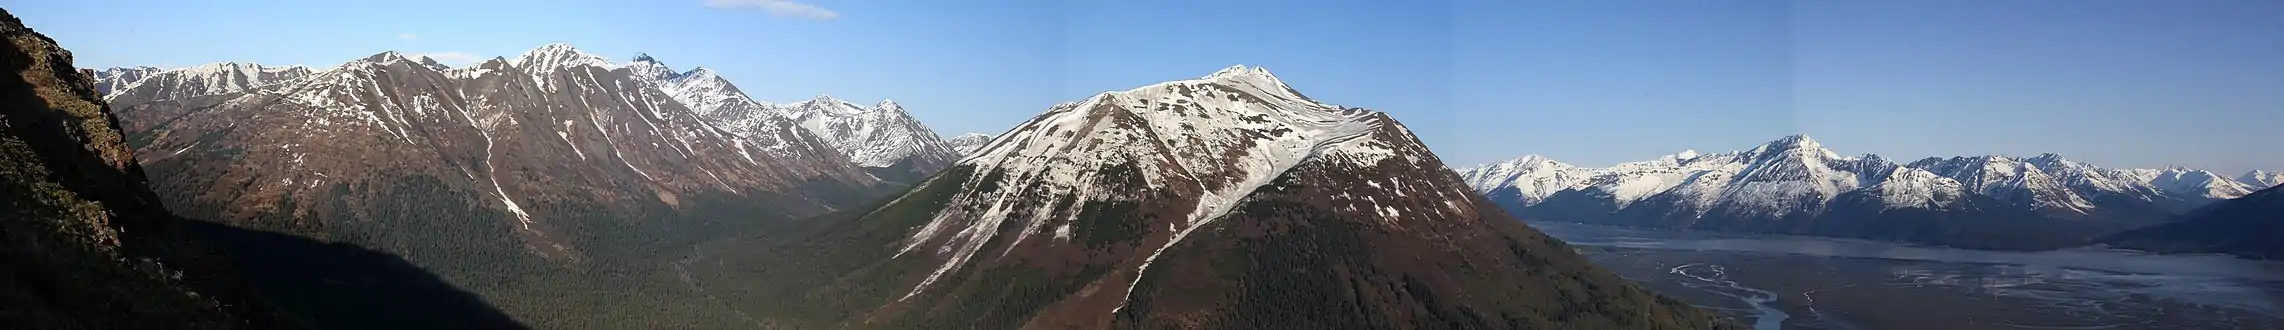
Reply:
x=84, y=244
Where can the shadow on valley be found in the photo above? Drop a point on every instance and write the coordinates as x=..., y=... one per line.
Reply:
x=343, y=286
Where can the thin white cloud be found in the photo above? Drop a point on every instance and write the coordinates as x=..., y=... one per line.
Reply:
x=451, y=58
x=407, y=36
x=779, y=8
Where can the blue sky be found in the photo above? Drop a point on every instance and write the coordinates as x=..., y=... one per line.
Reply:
x=2123, y=83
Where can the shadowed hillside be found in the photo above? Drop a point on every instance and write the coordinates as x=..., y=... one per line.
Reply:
x=87, y=245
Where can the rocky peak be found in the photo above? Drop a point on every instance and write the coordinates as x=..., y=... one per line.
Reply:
x=888, y=106
x=2261, y=178
x=546, y=59
x=645, y=67
x=1798, y=144
x=432, y=64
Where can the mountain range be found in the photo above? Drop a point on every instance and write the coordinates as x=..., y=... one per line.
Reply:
x=1795, y=185
x=1229, y=201
x=517, y=178
x=968, y=143
x=881, y=138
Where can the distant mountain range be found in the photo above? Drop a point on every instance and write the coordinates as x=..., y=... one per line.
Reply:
x=1795, y=185
x=1229, y=201
x=882, y=138
x=968, y=143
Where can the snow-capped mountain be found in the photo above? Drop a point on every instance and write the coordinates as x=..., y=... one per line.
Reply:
x=1168, y=205
x=203, y=80
x=1795, y=185
x=552, y=159
x=2068, y=189
x=882, y=137
x=1526, y=180
x=2259, y=179
x=432, y=64
x=968, y=143
x=2198, y=185
x=112, y=79
x=719, y=103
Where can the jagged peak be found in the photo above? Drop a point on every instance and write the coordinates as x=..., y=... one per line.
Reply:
x=640, y=57
x=223, y=66
x=699, y=73
x=433, y=63
x=888, y=104
x=1800, y=140
x=1530, y=160
x=555, y=47
x=558, y=55
x=385, y=57
x=495, y=61
x=1799, y=143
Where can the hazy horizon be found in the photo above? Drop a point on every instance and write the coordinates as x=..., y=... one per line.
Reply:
x=2126, y=84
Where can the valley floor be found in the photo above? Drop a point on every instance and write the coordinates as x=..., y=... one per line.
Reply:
x=1829, y=292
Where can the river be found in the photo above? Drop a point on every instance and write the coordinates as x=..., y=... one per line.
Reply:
x=1798, y=282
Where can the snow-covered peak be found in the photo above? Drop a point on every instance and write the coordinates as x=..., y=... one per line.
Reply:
x=702, y=73
x=1240, y=70
x=968, y=143
x=495, y=65
x=2199, y=183
x=1255, y=81
x=385, y=57
x=888, y=105
x=824, y=105
x=1239, y=133
x=546, y=59
x=205, y=79
x=1531, y=173
x=117, y=70
x=1798, y=144
x=109, y=80
x=2260, y=179
x=644, y=67
x=1907, y=187
x=826, y=98
x=431, y=63
x=1685, y=155
x=1215, y=141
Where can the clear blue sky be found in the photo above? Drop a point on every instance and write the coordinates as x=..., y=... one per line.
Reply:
x=2124, y=83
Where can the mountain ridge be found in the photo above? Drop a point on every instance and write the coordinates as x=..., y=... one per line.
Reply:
x=1795, y=185
x=508, y=181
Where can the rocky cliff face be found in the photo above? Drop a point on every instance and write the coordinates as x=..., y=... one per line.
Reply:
x=87, y=245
